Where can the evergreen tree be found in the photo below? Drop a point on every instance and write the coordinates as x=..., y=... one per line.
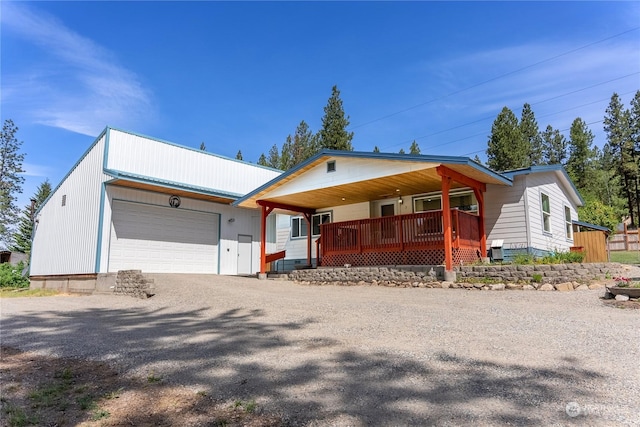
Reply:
x=274, y=157
x=506, y=148
x=376, y=149
x=477, y=160
x=21, y=241
x=618, y=130
x=239, y=155
x=305, y=144
x=634, y=148
x=414, y=149
x=401, y=151
x=262, y=160
x=286, y=158
x=202, y=146
x=554, y=146
x=334, y=133
x=531, y=135
x=582, y=155
x=11, y=179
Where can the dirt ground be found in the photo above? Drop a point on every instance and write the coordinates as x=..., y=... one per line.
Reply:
x=47, y=391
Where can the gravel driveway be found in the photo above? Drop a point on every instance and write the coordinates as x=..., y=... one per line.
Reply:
x=359, y=355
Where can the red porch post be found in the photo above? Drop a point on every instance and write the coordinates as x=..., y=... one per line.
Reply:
x=446, y=223
x=266, y=210
x=483, y=237
x=307, y=217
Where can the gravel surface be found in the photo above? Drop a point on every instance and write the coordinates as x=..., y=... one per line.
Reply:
x=359, y=356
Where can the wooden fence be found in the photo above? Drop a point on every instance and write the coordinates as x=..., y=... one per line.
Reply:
x=594, y=245
x=626, y=240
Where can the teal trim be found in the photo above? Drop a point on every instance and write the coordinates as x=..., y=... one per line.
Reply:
x=545, y=168
x=100, y=225
x=170, y=184
x=219, y=240
x=105, y=156
x=194, y=149
x=71, y=170
x=451, y=160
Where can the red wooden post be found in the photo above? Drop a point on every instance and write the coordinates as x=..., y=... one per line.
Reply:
x=263, y=240
x=446, y=223
x=483, y=236
x=307, y=217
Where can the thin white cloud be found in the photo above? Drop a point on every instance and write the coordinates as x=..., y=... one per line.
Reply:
x=77, y=85
x=34, y=170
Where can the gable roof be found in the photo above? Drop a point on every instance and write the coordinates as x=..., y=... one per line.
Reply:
x=559, y=171
x=378, y=174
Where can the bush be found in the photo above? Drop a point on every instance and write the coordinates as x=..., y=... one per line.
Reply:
x=11, y=276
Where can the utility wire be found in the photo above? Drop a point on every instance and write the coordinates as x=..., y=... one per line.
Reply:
x=494, y=78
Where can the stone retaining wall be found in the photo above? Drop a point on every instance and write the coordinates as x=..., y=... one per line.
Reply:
x=133, y=283
x=429, y=276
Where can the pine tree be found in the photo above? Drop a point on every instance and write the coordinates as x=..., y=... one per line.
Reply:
x=477, y=160
x=304, y=145
x=274, y=157
x=11, y=179
x=21, y=240
x=262, y=160
x=286, y=159
x=506, y=149
x=376, y=149
x=582, y=155
x=634, y=129
x=618, y=130
x=414, y=149
x=239, y=155
x=401, y=151
x=531, y=135
x=202, y=146
x=334, y=133
x=554, y=146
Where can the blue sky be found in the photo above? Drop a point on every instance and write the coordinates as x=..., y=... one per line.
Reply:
x=241, y=76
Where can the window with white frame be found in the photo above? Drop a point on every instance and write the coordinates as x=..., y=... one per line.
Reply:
x=299, y=224
x=546, y=212
x=568, y=223
x=465, y=201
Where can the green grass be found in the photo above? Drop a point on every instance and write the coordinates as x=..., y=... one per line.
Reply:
x=625, y=257
x=26, y=292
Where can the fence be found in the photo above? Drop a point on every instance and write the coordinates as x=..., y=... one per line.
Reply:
x=626, y=240
x=594, y=245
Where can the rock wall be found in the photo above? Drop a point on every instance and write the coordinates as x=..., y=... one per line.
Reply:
x=428, y=276
x=133, y=283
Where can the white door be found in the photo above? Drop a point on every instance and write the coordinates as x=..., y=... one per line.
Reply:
x=158, y=239
x=244, y=254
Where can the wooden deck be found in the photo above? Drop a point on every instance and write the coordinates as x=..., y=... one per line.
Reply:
x=402, y=239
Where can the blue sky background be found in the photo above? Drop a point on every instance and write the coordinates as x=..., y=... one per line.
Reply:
x=241, y=76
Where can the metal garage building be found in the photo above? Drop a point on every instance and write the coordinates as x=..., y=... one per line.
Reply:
x=134, y=202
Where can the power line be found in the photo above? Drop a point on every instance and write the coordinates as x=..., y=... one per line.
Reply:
x=536, y=103
x=494, y=78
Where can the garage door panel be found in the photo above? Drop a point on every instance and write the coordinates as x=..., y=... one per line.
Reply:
x=163, y=240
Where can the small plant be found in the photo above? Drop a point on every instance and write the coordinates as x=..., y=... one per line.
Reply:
x=99, y=414
x=622, y=282
x=152, y=378
x=607, y=275
x=248, y=406
x=201, y=393
x=87, y=402
x=523, y=259
x=114, y=394
x=536, y=277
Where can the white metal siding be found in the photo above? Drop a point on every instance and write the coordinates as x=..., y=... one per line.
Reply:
x=159, y=239
x=151, y=158
x=65, y=239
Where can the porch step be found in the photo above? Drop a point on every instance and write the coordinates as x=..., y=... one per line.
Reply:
x=277, y=276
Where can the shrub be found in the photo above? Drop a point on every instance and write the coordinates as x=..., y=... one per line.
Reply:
x=11, y=276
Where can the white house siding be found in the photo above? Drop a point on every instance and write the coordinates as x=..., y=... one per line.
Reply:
x=244, y=221
x=547, y=183
x=505, y=215
x=65, y=239
x=162, y=160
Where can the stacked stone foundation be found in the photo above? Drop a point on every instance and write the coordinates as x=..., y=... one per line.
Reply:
x=133, y=283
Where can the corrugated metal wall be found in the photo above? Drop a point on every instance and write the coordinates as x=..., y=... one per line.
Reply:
x=152, y=158
x=65, y=238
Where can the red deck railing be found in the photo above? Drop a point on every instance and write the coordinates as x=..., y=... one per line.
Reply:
x=416, y=231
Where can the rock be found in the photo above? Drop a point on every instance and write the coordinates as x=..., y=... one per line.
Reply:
x=435, y=284
x=582, y=288
x=528, y=288
x=497, y=287
x=622, y=297
x=446, y=285
x=596, y=286
x=546, y=287
x=513, y=286
x=564, y=287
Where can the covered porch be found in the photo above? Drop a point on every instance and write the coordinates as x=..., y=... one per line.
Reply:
x=355, y=188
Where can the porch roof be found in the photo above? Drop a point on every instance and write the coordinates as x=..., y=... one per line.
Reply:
x=362, y=177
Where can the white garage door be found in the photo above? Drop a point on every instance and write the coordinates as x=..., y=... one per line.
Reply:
x=158, y=239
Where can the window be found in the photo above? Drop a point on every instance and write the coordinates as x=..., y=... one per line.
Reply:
x=64, y=200
x=465, y=201
x=546, y=212
x=299, y=224
x=331, y=166
x=567, y=221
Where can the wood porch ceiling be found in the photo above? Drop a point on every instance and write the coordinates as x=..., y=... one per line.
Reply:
x=414, y=182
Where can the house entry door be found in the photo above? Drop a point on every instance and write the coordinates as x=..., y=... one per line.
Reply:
x=388, y=227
